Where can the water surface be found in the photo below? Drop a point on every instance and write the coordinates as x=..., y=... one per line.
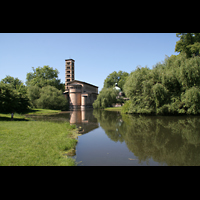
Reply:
x=111, y=139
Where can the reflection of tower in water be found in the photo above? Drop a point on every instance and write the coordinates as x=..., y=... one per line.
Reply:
x=78, y=116
x=84, y=120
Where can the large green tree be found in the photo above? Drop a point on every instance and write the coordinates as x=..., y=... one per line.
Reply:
x=14, y=82
x=116, y=77
x=43, y=76
x=189, y=43
x=12, y=100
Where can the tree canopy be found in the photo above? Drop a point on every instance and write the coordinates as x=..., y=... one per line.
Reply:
x=12, y=100
x=43, y=90
x=172, y=87
x=106, y=97
x=189, y=43
x=51, y=98
x=43, y=76
x=116, y=77
x=14, y=82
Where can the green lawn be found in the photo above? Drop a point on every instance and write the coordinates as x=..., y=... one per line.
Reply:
x=24, y=116
x=42, y=111
x=32, y=143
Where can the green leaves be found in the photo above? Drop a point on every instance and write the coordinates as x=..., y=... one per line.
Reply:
x=12, y=100
x=43, y=90
x=51, y=98
x=171, y=87
x=106, y=97
x=160, y=94
x=108, y=94
x=189, y=43
x=43, y=76
x=47, y=97
x=115, y=77
x=191, y=99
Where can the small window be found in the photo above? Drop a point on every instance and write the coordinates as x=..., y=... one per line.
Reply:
x=68, y=67
x=68, y=71
x=68, y=75
x=68, y=63
x=68, y=79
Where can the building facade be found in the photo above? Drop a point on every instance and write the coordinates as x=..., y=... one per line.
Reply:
x=80, y=94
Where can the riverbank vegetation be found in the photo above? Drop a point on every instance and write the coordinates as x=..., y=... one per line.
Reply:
x=170, y=87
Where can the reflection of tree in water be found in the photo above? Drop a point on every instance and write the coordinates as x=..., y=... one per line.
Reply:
x=110, y=122
x=170, y=140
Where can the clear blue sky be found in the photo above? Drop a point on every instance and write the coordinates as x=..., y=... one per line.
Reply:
x=96, y=55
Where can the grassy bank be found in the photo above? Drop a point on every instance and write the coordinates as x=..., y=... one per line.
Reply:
x=114, y=109
x=33, y=143
x=25, y=116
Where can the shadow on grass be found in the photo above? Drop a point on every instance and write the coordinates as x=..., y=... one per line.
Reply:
x=14, y=119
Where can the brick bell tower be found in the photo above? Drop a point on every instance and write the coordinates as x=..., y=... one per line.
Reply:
x=69, y=71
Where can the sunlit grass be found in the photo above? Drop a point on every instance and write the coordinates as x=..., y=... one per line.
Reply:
x=25, y=116
x=114, y=108
x=35, y=143
x=43, y=111
x=24, y=142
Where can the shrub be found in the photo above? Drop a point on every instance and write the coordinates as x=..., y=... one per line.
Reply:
x=51, y=98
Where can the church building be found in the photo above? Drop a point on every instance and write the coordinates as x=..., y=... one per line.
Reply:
x=80, y=94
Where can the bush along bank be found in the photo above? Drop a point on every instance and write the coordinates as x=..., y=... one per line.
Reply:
x=172, y=87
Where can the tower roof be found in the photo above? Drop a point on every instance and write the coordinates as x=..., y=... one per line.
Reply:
x=69, y=59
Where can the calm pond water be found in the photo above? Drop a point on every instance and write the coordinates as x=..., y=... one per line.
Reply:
x=111, y=139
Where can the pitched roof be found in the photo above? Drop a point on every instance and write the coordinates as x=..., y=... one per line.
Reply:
x=80, y=82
